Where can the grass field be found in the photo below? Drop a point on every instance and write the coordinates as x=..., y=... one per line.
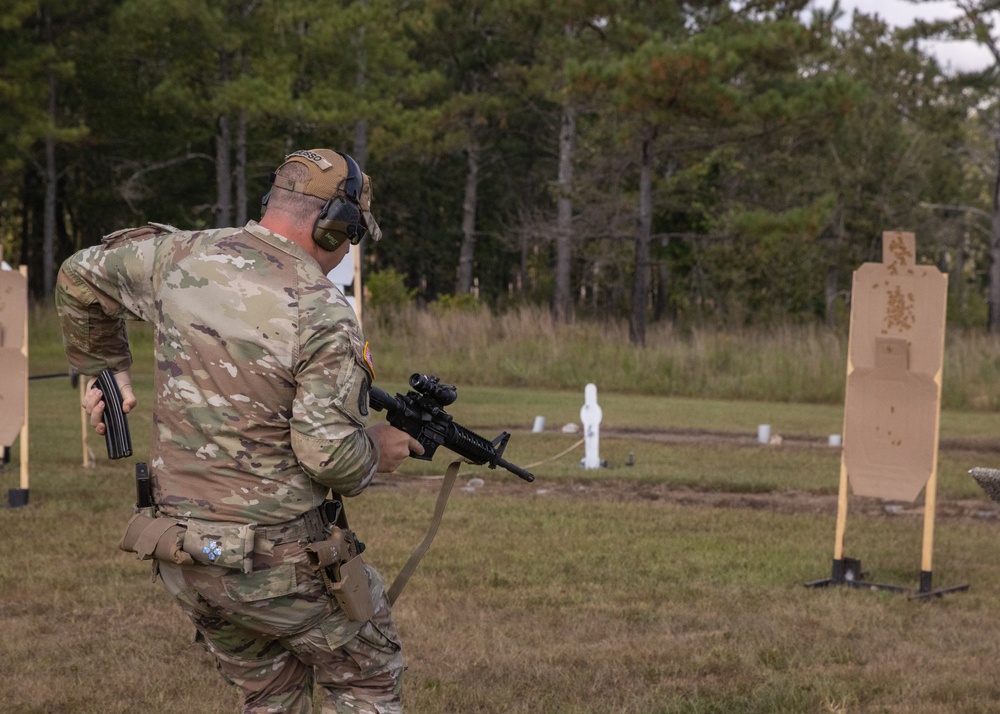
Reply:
x=621, y=590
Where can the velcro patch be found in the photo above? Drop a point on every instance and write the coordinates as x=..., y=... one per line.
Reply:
x=323, y=164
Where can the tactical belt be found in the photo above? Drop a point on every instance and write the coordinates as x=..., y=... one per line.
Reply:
x=308, y=526
x=331, y=547
x=230, y=545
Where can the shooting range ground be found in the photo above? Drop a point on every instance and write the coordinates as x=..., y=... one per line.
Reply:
x=673, y=585
x=587, y=591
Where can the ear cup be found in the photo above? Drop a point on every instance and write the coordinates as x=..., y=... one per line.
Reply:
x=341, y=217
x=263, y=202
x=339, y=221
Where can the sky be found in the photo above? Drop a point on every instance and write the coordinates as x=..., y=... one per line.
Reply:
x=958, y=56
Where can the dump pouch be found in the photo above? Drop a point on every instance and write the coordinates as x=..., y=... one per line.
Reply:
x=229, y=545
x=159, y=538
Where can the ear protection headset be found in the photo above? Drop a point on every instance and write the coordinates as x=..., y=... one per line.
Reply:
x=340, y=219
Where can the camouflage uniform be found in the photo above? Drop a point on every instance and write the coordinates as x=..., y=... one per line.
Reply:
x=260, y=402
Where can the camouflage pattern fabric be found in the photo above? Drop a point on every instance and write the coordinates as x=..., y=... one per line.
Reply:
x=261, y=384
x=260, y=392
x=988, y=480
x=275, y=633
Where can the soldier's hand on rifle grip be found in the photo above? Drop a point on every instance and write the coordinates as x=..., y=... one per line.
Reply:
x=93, y=400
x=394, y=446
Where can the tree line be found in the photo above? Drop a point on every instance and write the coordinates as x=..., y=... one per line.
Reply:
x=700, y=162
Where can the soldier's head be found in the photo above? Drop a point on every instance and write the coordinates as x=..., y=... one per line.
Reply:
x=328, y=187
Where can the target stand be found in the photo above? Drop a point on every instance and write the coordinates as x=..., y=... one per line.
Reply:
x=892, y=404
x=847, y=572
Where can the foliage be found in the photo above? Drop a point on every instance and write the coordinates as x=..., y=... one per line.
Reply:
x=388, y=291
x=465, y=303
x=731, y=163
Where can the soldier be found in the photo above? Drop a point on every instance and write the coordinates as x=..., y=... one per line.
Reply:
x=260, y=410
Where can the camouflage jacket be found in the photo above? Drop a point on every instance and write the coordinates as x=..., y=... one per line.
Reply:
x=261, y=383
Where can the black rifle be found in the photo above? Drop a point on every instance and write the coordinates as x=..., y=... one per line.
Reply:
x=116, y=433
x=421, y=414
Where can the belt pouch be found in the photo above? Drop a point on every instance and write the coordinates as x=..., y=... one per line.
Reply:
x=159, y=538
x=229, y=545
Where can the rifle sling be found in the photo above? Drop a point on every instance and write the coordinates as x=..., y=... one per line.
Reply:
x=442, y=500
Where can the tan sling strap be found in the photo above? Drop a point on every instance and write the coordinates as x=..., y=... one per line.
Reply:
x=449, y=481
x=442, y=500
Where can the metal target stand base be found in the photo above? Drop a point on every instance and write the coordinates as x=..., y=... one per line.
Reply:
x=848, y=572
x=17, y=497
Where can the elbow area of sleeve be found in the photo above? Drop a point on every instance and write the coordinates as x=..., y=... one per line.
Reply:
x=346, y=465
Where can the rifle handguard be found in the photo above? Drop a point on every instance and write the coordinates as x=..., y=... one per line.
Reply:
x=427, y=422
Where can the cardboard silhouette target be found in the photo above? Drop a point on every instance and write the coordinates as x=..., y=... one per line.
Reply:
x=13, y=358
x=895, y=358
x=890, y=435
x=14, y=371
x=892, y=403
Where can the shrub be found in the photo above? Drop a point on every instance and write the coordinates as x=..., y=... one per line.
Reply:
x=456, y=303
x=388, y=291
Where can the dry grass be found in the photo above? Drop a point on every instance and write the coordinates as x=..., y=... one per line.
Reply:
x=714, y=621
x=536, y=603
x=524, y=348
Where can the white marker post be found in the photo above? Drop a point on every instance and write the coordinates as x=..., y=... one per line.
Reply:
x=590, y=417
x=346, y=274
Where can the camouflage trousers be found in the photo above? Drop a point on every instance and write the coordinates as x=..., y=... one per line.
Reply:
x=275, y=632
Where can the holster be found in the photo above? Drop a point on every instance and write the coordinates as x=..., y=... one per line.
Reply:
x=339, y=564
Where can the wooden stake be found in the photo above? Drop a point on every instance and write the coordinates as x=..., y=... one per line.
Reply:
x=84, y=422
x=24, y=428
x=838, y=542
x=930, y=494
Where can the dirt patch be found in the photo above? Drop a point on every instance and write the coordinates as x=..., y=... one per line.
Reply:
x=790, y=502
x=790, y=441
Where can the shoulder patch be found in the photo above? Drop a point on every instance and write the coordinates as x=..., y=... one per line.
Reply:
x=367, y=356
